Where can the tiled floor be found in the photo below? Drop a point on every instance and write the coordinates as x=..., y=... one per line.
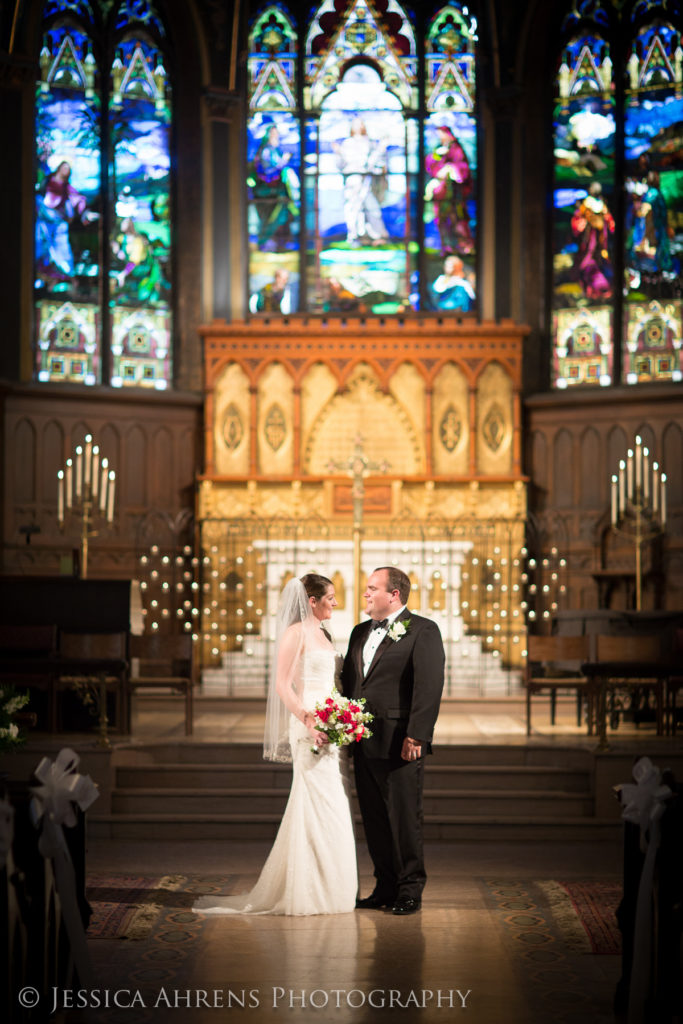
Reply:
x=460, y=721
x=508, y=965
x=300, y=968
x=458, y=942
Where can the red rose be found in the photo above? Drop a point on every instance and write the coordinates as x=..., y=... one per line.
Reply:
x=323, y=714
x=354, y=707
x=329, y=701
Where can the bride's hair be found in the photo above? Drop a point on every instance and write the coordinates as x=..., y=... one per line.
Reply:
x=316, y=585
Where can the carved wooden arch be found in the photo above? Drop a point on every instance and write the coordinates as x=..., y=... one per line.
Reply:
x=394, y=419
x=298, y=343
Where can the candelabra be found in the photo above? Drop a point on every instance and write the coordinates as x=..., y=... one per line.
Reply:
x=638, y=503
x=85, y=491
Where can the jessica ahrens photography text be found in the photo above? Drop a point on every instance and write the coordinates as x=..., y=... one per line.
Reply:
x=251, y=999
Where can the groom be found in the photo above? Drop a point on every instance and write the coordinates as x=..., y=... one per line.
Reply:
x=395, y=661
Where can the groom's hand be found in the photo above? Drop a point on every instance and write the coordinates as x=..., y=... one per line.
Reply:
x=411, y=749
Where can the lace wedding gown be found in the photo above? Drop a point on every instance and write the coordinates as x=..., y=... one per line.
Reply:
x=311, y=868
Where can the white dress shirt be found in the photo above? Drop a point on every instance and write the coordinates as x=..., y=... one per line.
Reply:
x=376, y=637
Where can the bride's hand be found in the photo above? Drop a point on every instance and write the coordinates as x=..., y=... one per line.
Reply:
x=319, y=738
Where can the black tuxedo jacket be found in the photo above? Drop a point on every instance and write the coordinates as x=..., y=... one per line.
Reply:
x=403, y=686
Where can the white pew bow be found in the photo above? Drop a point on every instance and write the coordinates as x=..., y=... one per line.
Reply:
x=54, y=804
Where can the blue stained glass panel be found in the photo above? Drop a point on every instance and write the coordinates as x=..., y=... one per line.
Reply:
x=358, y=191
x=450, y=159
x=140, y=240
x=653, y=145
x=140, y=11
x=583, y=223
x=273, y=217
x=68, y=206
x=81, y=8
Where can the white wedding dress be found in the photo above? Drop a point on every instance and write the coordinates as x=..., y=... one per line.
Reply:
x=311, y=868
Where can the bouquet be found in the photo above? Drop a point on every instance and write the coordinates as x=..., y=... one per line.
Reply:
x=343, y=720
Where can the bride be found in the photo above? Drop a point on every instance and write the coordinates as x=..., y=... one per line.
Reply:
x=311, y=868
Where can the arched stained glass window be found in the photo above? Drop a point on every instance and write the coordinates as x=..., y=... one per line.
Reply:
x=274, y=163
x=68, y=270
x=584, y=196
x=103, y=233
x=652, y=335
x=345, y=214
x=618, y=196
x=451, y=161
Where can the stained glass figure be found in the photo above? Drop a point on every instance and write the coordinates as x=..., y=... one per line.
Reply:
x=653, y=142
x=73, y=259
x=68, y=209
x=583, y=268
x=450, y=215
x=274, y=164
x=140, y=240
x=334, y=179
x=360, y=159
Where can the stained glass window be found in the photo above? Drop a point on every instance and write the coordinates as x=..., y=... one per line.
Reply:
x=653, y=139
x=339, y=218
x=103, y=234
x=68, y=273
x=617, y=138
x=451, y=161
x=583, y=268
x=274, y=164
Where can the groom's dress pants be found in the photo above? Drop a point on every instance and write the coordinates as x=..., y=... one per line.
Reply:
x=390, y=798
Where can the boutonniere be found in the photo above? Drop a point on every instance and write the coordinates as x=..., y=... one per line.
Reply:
x=398, y=629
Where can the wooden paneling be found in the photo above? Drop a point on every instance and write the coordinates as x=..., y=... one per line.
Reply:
x=151, y=441
x=587, y=434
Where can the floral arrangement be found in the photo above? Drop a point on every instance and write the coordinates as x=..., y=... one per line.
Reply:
x=398, y=629
x=10, y=703
x=343, y=720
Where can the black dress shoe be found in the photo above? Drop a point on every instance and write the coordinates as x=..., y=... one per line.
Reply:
x=405, y=905
x=375, y=901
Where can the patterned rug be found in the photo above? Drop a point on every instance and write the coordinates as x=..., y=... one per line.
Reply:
x=128, y=906
x=550, y=939
x=595, y=905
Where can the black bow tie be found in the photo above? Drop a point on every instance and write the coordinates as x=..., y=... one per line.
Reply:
x=380, y=623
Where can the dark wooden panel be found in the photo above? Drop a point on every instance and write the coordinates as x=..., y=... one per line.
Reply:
x=70, y=604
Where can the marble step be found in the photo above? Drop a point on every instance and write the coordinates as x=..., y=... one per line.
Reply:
x=210, y=754
x=437, y=776
x=253, y=827
x=442, y=803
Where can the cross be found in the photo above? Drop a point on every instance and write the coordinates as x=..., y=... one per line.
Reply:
x=358, y=466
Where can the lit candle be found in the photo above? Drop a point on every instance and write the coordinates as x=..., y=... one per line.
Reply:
x=663, y=515
x=79, y=472
x=69, y=482
x=88, y=461
x=629, y=474
x=103, y=486
x=655, y=486
x=646, y=473
x=622, y=485
x=110, y=497
x=95, y=471
x=639, y=467
x=615, y=514
x=60, y=496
